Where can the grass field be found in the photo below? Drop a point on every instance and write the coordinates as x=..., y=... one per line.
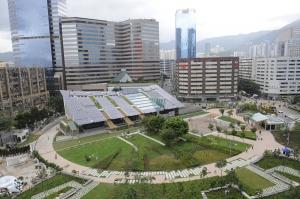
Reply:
x=270, y=161
x=251, y=181
x=229, y=119
x=220, y=194
x=289, y=176
x=74, y=142
x=54, y=195
x=190, y=190
x=294, y=138
x=187, y=115
x=115, y=154
x=31, y=138
x=55, y=181
x=248, y=134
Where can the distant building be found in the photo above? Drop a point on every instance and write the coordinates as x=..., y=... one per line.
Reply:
x=277, y=76
x=35, y=35
x=95, y=51
x=207, y=49
x=167, y=63
x=245, y=69
x=22, y=88
x=185, y=33
x=210, y=78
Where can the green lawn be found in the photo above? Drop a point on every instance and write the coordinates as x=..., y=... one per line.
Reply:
x=99, y=151
x=229, y=119
x=187, y=115
x=220, y=194
x=293, y=193
x=190, y=190
x=289, y=176
x=251, y=181
x=31, y=138
x=270, y=161
x=54, y=195
x=75, y=142
x=113, y=153
x=248, y=134
x=55, y=181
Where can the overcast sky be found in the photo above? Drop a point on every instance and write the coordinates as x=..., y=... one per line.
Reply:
x=214, y=17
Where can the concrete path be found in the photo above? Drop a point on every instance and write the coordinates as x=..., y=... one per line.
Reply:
x=45, y=148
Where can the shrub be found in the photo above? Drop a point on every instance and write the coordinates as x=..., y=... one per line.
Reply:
x=14, y=151
x=48, y=164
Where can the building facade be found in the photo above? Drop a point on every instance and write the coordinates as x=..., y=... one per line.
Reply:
x=185, y=33
x=277, y=76
x=211, y=78
x=35, y=33
x=245, y=69
x=22, y=88
x=168, y=63
x=95, y=51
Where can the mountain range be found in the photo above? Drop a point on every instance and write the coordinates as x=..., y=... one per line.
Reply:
x=234, y=42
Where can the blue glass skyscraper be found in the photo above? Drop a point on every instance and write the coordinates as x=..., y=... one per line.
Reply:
x=185, y=33
x=35, y=32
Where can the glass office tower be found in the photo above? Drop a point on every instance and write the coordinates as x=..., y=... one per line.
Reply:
x=185, y=33
x=35, y=31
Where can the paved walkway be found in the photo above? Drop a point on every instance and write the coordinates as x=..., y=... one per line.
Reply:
x=45, y=148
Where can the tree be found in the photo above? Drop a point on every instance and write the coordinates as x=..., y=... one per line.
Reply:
x=248, y=86
x=230, y=112
x=173, y=128
x=153, y=124
x=220, y=164
x=243, y=128
x=56, y=103
x=219, y=129
x=243, y=135
x=203, y=172
x=233, y=132
x=6, y=123
x=231, y=125
x=222, y=111
x=253, y=129
x=210, y=126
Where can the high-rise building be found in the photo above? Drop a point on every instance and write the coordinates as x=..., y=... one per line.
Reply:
x=35, y=33
x=168, y=63
x=185, y=33
x=95, y=51
x=245, y=68
x=277, y=76
x=207, y=78
x=22, y=88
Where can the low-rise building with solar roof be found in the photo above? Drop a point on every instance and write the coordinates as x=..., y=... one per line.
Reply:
x=117, y=108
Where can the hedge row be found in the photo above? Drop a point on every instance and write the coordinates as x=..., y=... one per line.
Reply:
x=48, y=164
x=14, y=151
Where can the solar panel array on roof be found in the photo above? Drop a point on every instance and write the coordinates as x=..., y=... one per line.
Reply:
x=82, y=111
x=170, y=101
x=142, y=102
x=127, y=108
x=108, y=108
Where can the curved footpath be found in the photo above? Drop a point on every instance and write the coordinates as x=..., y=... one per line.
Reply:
x=44, y=146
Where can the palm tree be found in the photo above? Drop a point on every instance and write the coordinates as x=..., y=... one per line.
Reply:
x=221, y=164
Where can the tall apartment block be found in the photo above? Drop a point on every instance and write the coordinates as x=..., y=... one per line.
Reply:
x=185, y=33
x=95, y=51
x=246, y=69
x=21, y=88
x=35, y=34
x=277, y=76
x=211, y=78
